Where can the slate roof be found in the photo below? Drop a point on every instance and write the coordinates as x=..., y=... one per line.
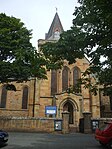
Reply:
x=55, y=29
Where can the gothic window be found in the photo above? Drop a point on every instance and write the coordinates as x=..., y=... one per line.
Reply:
x=76, y=76
x=3, y=97
x=53, y=82
x=25, y=98
x=65, y=78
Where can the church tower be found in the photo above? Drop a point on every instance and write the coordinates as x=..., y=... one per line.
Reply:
x=54, y=90
x=55, y=29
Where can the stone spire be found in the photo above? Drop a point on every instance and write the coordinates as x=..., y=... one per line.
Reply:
x=55, y=29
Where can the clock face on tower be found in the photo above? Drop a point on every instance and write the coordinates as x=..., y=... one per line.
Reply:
x=57, y=34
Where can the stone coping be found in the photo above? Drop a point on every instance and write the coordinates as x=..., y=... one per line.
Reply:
x=102, y=119
x=27, y=118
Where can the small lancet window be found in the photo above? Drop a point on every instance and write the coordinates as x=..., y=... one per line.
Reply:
x=25, y=98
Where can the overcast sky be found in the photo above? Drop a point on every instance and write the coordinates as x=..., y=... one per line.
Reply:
x=38, y=14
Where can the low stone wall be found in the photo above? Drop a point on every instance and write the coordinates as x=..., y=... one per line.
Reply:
x=89, y=124
x=99, y=122
x=27, y=124
x=102, y=120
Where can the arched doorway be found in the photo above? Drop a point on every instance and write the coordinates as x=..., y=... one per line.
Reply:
x=69, y=107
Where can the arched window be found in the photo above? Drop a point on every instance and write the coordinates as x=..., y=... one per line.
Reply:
x=53, y=82
x=65, y=78
x=25, y=98
x=3, y=97
x=76, y=77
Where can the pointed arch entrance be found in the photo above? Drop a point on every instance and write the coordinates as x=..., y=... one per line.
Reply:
x=69, y=107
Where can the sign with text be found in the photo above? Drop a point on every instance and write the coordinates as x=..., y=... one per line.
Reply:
x=58, y=125
x=50, y=110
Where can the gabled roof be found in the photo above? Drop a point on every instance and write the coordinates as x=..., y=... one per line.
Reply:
x=55, y=29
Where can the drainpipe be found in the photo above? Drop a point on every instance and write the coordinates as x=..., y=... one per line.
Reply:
x=90, y=97
x=33, y=111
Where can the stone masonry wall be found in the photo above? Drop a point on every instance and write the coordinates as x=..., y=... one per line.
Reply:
x=27, y=124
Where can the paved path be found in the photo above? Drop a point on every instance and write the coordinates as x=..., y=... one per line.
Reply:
x=18, y=140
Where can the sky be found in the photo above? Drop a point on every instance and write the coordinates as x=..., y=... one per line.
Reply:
x=38, y=14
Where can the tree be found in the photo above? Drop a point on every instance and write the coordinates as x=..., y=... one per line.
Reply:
x=19, y=60
x=91, y=36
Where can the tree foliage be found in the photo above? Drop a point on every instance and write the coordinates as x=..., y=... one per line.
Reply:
x=94, y=18
x=91, y=36
x=19, y=60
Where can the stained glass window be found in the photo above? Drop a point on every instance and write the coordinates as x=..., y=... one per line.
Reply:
x=53, y=82
x=65, y=78
x=76, y=77
x=25, y=98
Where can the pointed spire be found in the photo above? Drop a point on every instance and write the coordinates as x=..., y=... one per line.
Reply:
x=55, y=29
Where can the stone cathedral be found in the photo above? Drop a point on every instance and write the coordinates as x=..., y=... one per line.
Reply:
x=32, y=97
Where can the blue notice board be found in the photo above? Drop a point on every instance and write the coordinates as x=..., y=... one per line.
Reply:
x=50, y=110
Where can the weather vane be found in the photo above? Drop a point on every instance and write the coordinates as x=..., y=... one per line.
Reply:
x=56, y=9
